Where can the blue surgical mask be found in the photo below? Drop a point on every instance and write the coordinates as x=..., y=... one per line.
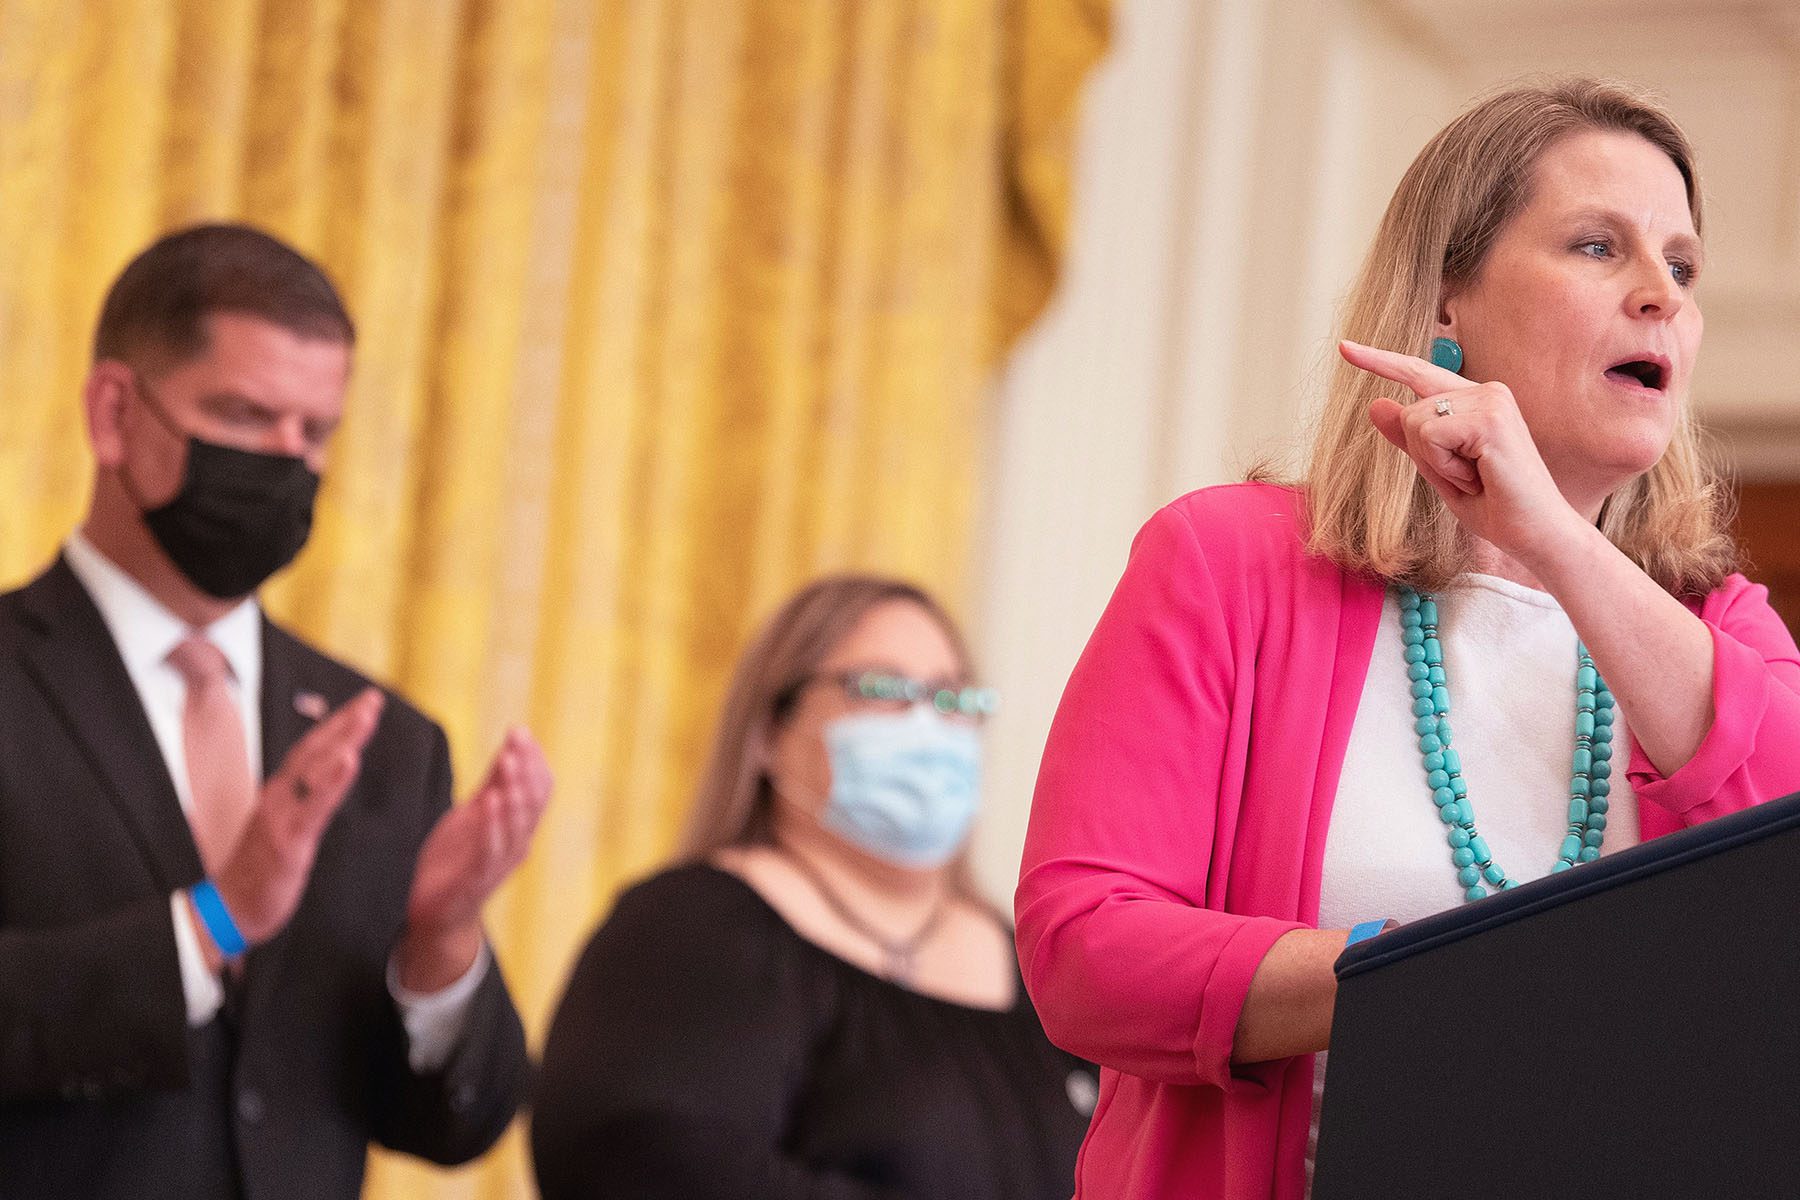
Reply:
x=904, y=786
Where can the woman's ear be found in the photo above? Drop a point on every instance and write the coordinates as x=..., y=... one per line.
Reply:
x=1447, y=305
x=764, y=750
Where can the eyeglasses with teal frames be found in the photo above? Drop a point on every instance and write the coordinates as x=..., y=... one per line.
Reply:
x=889, y=689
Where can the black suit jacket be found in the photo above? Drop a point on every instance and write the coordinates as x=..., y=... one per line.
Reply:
x=104, y=1090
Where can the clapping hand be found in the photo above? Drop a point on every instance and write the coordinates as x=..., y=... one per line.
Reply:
x=468, y=855
x=261, y=883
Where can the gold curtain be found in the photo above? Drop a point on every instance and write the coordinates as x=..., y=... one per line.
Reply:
x=665, y=306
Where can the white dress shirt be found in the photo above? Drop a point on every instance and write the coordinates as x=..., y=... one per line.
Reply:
x=145, y=633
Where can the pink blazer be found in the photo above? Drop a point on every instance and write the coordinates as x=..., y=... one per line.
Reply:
x=1179, y=825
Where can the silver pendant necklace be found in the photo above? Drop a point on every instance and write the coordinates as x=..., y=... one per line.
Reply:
x=899, y=955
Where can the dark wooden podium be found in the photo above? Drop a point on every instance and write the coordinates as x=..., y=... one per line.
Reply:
x=1626, y=1030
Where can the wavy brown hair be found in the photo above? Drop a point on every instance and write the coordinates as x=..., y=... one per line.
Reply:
x=735, y=799
x=1369, y=508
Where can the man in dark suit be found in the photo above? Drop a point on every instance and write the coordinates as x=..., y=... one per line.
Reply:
x=220, y=979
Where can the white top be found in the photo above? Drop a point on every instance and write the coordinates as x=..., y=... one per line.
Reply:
x=145, y=632
x=1509, y=656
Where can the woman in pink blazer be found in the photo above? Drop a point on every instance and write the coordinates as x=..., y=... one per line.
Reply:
x=1255, y=752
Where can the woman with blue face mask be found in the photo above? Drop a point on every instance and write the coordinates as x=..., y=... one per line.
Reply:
x=815, y=1002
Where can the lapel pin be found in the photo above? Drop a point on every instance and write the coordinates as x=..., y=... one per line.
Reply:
x=310, y=705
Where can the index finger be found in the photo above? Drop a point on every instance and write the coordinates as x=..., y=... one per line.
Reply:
x=1417, y=376
x=348, y=727
x=531, y=758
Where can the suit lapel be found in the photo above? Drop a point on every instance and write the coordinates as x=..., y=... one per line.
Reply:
x=283, y=698
x=70, y=655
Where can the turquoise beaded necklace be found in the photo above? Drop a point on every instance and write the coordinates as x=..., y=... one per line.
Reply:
x=1589, y=780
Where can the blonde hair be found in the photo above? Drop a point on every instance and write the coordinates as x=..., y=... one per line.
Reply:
x=1369, y=508
x=735, y=799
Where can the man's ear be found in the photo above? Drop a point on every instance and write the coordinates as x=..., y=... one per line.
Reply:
x=106, y=397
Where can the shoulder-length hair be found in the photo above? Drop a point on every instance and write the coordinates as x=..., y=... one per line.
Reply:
x=735, y=800
x=1369, y=508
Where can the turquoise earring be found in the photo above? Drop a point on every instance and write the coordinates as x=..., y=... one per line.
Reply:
x=1446, y=353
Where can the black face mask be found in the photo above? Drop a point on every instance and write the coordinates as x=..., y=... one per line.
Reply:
x=239, y=517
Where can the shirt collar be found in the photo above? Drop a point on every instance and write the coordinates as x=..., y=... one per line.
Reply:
x=145, y=631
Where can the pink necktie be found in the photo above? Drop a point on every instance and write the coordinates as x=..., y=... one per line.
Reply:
x=220, y=786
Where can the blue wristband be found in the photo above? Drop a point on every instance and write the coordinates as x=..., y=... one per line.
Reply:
x=1364, y=931
x=217, y=918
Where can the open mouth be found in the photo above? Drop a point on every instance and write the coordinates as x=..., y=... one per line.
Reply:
x=1643, y=372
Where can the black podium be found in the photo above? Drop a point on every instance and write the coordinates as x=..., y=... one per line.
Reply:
x=1629, y=1029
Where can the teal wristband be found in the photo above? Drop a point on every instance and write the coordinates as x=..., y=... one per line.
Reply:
x=1364, y=931
x=217, y=919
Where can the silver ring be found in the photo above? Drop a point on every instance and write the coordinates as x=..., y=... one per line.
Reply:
x=1443, y=406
